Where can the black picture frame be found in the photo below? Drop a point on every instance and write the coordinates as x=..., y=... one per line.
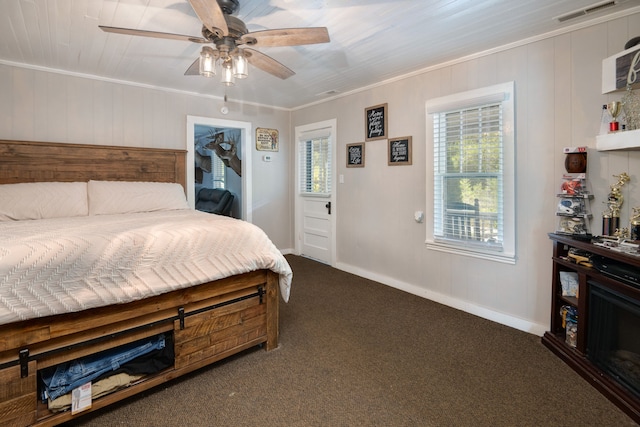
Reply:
x=375, y=122
x=399, y=151
x=355, y=155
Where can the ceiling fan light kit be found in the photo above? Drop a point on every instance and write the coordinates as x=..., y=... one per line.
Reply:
x=232, y=66
x=230, y=37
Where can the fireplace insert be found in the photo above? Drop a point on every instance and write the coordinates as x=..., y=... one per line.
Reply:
x=613, y=334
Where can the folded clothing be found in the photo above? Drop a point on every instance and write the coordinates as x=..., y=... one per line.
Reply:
x=61, y=379
x=98, y=389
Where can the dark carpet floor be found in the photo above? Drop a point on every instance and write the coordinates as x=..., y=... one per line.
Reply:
x=357, y=353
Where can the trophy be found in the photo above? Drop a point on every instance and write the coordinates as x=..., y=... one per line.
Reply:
x=635, y=224
x=614, y=109
x=611, y=216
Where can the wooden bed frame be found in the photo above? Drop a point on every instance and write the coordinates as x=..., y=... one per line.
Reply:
x=208, y=322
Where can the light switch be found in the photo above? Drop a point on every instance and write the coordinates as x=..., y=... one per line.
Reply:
x=266, y=158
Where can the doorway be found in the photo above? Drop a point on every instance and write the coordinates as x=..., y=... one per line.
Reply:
x=219, y=156
x=315, y=201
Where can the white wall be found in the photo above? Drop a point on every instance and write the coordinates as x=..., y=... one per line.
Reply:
x=38, y=105
x=558, y=104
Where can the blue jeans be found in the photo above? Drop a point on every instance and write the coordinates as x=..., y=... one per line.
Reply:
x=61, y=379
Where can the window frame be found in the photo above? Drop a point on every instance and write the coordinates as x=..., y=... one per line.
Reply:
x=503, y=94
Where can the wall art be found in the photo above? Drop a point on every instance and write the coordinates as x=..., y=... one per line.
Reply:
x=399, y=151
x=375, y=122
x=355, y=155
x=266, y=139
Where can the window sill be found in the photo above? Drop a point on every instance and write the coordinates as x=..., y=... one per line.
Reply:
x=501, y=257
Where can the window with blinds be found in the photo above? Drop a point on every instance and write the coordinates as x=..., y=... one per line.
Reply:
x=473, y=148
x=218, y=172
x=315, y=165
x=468, y=175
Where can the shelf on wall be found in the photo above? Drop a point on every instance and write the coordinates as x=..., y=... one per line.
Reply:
x=623, y=140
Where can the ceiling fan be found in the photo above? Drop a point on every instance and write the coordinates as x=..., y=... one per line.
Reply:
x=231, y=39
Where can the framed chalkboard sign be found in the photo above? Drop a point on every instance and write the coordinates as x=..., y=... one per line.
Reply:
x=355, y=155
x=375, y=122
x=399, y=151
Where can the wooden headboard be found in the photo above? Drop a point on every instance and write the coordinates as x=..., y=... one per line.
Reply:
x=22, y=161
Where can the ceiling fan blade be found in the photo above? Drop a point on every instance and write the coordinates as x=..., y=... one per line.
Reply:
x=286, y=37
x=267, y=63
x=194, y=69
x=211, y=15
x=154, y=34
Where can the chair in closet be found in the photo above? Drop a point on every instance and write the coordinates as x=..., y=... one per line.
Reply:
x=215, y=200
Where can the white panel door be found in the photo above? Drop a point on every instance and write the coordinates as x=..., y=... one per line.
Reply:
x=315, y=197
x=316, y=228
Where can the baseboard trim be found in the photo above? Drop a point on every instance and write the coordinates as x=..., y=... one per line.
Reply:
x=466, y=306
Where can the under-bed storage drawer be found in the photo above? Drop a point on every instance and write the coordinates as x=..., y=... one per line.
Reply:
x=18, y=396
x=219, y=332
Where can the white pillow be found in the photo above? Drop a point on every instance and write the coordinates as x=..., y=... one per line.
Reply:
x=40, y=200
x=114, y=197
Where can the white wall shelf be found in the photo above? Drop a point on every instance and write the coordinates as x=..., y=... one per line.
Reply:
x=623, y=140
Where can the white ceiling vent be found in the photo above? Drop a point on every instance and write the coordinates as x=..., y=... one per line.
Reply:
x=596, y=7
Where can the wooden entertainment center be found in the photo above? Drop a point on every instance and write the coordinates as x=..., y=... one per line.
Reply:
x=578, y=357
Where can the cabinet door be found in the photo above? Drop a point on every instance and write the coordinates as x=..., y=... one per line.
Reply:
x=213, y=333
x=18, y=396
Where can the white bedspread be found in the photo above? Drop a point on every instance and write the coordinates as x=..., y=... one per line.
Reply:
x=61, y=265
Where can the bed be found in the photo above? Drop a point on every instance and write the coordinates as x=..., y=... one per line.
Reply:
x=98, y=266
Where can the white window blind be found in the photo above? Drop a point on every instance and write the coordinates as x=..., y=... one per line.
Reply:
x=473, y=173
x=219, y=171
x=468, y=167
x=315, y=163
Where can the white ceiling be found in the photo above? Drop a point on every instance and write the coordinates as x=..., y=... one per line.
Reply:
x=371, y=40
